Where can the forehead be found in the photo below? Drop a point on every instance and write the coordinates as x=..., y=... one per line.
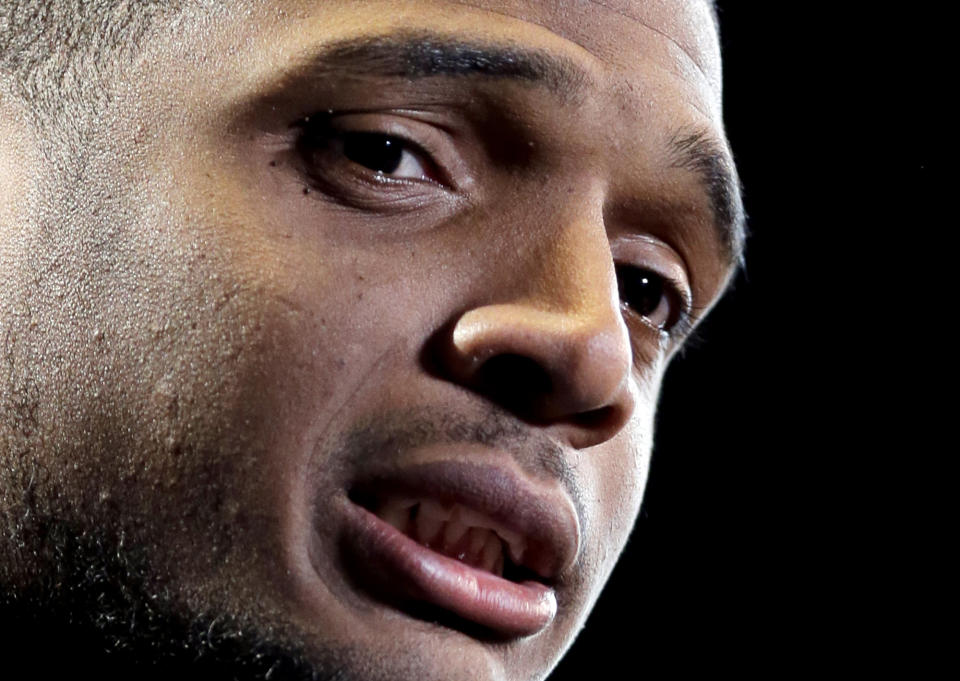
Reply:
x=622, y=33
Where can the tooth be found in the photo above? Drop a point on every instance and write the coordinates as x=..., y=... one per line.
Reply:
x=473, y=519
x=457, y=532
x=432, y=508
x=429, y=523
x=517, y=555
x=492, y=550
x=452, y=534
x=478, y=539
x=515, y=545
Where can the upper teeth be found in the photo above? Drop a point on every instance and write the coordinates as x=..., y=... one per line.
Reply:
x=455, y=530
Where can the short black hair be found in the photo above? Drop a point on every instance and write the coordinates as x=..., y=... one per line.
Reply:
x=62, y=51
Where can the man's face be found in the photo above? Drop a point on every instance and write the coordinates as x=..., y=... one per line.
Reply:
x=350, y=325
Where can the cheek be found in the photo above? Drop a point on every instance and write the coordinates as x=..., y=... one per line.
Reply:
x=135, y=416
x=623, y=483
x=621, y=478
x=616, y=475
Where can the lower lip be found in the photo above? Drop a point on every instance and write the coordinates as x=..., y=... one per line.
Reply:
x=409, y=571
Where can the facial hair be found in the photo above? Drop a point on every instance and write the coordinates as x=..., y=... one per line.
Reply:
x=94, y=613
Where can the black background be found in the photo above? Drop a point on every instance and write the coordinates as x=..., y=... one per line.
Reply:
x=771, y=485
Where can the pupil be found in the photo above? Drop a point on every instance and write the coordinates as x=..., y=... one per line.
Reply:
x=640, y=289
x=376, y=152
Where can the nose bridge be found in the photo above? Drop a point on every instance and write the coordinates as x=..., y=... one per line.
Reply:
x=573, y=307
x=571, y=273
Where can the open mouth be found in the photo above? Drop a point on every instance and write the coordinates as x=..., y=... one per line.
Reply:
x=469, y=541
x=462, y=534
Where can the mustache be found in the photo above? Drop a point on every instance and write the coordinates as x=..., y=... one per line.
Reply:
x=401, y=430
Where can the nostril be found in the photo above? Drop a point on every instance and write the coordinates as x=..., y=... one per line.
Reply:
x=516, y=382
x=597, y=419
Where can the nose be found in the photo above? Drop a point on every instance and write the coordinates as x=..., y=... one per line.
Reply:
x=551, y=344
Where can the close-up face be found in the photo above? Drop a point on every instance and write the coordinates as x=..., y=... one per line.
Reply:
x=342, y=324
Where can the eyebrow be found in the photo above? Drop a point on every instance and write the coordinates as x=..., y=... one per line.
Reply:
x=415, y=55
x=697, y=152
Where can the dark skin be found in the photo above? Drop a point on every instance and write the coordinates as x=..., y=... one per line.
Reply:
x=300, y=269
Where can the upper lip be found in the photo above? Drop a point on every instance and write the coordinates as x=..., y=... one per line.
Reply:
x=543, y=517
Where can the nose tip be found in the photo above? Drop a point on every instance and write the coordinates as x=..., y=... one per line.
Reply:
x=548, y=366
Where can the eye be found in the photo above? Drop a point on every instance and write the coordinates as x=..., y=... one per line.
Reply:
x=385, y=155
x=329, y=148
x=648, y=295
